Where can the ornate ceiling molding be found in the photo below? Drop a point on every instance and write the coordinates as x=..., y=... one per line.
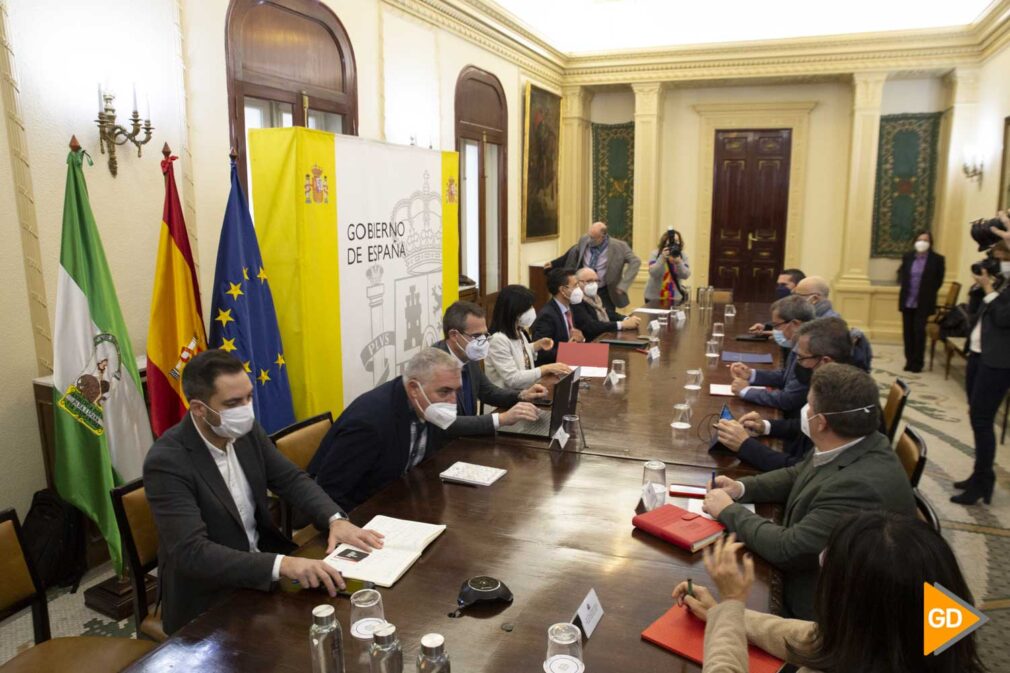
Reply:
x=485, y=24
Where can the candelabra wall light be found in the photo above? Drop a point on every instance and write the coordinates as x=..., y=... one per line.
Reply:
x=972, y=166
x=111, y=134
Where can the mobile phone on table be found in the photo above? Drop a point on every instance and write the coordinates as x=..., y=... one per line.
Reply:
x=354, y=585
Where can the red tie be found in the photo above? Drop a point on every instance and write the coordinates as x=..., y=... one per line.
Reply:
x=568, y=320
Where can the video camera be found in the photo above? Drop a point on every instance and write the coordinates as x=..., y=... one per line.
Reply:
x=982, y=234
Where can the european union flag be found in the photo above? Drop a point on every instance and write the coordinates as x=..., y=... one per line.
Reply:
x=243, y=320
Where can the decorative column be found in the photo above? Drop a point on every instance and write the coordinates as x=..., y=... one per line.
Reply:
x=576, y=155
x=648, y=121
x=957, y=129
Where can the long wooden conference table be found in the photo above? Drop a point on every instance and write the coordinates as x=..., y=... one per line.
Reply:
x=555, y=526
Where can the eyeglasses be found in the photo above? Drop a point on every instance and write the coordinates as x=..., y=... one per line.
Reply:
x=807, y=357
x=776, y=325
x=481, y=339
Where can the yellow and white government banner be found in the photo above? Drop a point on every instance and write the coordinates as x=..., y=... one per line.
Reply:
x=360, y=240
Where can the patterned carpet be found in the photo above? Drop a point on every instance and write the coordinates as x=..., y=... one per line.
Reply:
x=980, y=535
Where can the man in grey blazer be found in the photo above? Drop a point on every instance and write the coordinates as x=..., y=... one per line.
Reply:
x=206, y=480
x=611, y=259
x=465, y=327
x=851, y=468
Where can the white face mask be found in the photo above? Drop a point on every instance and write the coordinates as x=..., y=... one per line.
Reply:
x=439, y=414
x=476, y=349
x=234, y=423
x=592, y=289
x=804, y=421
x=576, y=296
x=527, y=319
x=921, y=246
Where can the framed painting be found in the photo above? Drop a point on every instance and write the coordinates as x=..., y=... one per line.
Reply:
x=1004, y=174
x=541, y=159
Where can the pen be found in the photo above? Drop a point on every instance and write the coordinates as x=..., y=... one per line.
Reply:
x=690, y=588
x=641, y=350
x=713, y=478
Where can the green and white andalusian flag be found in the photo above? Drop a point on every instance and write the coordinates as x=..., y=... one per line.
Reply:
x=102, y=429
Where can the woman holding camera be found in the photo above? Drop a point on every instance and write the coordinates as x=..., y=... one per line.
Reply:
x=668, y=266
x=920, y=276
x=987, y=377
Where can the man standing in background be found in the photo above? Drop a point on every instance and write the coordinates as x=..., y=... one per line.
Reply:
x=612, y=260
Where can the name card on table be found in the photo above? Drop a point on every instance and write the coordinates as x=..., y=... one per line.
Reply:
x=654, y=326
x=611, y=379
x=561, y=437
x=653, y=353
x=589, y=614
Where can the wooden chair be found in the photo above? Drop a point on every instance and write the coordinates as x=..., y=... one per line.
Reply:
x=895, y=407
x=140, y=541
x=21, y=588
x=933, y=326
x=911, y=450
x=722, y=296
x=299, y=443
x=953, y=346
x=925, y=510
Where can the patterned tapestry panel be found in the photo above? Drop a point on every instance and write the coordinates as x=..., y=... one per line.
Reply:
x=613, y=177
x=906, y=181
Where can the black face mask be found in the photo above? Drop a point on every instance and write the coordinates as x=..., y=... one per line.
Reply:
x=782, y=291
x=803, y=375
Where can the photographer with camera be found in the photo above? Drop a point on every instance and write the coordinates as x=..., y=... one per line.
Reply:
x=668, y=266
x=987, y=378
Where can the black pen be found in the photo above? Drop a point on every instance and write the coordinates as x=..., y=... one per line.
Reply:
x=713, y=478
x=690, y=588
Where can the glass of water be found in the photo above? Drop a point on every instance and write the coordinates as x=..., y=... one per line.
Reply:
x=729, y=312
x=620, y=368
x=694, y=379
x=564, y=649
x=570, y=424
x=681, y=416
x=712, y=348
x=367, y=614
x=718, y=330
x=654, y=477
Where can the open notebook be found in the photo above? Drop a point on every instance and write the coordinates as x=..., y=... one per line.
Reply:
x=405, y=540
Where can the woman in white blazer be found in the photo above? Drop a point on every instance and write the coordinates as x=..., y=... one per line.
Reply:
x=511, y=360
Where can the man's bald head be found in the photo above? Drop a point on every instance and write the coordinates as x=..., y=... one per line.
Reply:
x=813, y=286
x=586, y=275
x=597, y=230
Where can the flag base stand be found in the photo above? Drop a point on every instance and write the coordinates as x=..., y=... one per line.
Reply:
x=114, y=597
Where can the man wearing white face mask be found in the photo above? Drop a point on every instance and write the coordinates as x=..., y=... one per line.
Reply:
x=388, y=430
x=206, y=480
x=555, y=320
x=590, y=315
x=852, y=467
x=778, y=388
x=466, y=338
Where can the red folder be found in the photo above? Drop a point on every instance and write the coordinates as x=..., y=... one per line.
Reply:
x=584, y=354
x=682, y=633
x=684, y=529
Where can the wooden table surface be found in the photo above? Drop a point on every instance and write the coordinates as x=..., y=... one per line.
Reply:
x=556, y=525
x=632, y=419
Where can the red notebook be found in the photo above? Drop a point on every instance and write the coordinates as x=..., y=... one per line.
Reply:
x=584, y=354
x=682, y=528
x=684, y=634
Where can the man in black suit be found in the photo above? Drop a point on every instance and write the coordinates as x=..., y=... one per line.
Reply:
x=465, y=328
x=590, y=315
x=555, y=320
x=206, y=480
x=388, y=430
x=818, y=342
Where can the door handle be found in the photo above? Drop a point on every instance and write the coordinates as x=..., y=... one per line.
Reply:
x=750, y=240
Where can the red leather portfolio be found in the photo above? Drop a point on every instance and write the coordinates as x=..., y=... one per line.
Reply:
x=684, y=529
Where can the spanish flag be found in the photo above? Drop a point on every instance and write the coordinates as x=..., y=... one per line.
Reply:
x=176, y=331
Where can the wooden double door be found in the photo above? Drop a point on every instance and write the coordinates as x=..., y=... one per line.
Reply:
x=750, y=200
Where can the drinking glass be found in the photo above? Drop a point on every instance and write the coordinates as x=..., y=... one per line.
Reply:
x=681, y=416
x=366, y=613
x=619, y=367
x=654, y=477
x=712, y=348
x=694, y=379
x=570, y=424
x=718, y=330
x=564, y=649
x=653, y=340
x=729, y=312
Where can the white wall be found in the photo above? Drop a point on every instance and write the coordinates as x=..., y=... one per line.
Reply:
x=981, y=200
x=612, y=107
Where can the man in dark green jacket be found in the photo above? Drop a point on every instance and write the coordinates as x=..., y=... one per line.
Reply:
x=851, y=468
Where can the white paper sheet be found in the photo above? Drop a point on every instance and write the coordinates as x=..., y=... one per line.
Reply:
x=720, y=390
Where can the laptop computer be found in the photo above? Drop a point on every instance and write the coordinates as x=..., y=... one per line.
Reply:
x=565, y=402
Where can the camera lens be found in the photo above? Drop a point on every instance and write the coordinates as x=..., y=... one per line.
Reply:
x=981, y=232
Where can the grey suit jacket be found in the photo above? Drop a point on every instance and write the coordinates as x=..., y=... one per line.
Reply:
x=481, y=389
x=203, y=551
x=865, y=476
x=622, y=266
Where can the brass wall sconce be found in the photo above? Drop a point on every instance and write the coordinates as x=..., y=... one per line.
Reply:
x=111, y=134
x=972, y=165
